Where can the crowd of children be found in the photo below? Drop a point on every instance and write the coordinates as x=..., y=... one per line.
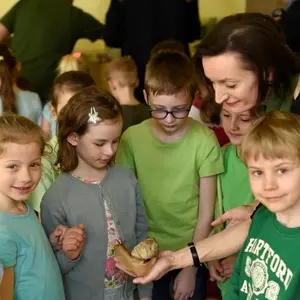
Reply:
x=100, y=168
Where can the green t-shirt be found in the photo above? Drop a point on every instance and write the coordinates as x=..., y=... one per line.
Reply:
x=267, y=266
x=234, y=188
x=49, y=174
x=169, y=175
x=45, y=31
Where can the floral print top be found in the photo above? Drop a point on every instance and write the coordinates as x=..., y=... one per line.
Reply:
x=113, y=276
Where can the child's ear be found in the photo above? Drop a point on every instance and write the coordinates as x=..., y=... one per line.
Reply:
x=53, y=112
x=145, y=97
x=19, y=67
x=112, y=84
x=73, y=139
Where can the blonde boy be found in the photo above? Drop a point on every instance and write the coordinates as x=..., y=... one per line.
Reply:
x=268, y=266
x=122, y=78
x=176, y=161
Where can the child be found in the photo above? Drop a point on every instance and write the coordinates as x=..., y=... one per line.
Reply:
x=233, y=185
x=267, y=266
x=176, y=161
x=64, y=87
x=123, y=79
x=93, y=191
x=30, y=268
x=70, y=62
x=12, y=98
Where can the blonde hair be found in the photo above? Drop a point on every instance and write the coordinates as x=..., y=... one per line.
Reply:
x=124, y=70
x=20, y=130
x=170, y=72
x=72, y=62
x=274, y=136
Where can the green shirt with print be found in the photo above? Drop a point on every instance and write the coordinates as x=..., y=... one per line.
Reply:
x=169, y=175
x=45, y=31
x=267, y=266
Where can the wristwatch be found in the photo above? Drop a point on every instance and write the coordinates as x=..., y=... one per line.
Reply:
x=195, y=256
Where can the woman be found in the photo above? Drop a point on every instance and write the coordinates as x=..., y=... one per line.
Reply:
x=244, y=61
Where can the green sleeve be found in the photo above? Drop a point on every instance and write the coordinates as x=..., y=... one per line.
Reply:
x=8, y=20
x=125, y=155
x=209, y=160
x=49, y=174
x=86, y=26
x=233, y=289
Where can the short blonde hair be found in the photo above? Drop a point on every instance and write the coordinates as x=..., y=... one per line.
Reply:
x=72, y=62
x=123, y=70
x=274, y=136
x=170, y=72
x=20, y=130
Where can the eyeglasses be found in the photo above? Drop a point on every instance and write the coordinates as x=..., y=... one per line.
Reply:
x=161, y=114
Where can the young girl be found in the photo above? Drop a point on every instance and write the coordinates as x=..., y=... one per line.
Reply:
x=233, y=185
x=30, y=268
x=70, y=62
x=12, y=98
x=64, y=87
x=93, y=191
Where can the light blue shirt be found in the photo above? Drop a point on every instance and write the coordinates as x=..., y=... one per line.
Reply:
x=24, y=245
x=48, y=117
x=29, y=105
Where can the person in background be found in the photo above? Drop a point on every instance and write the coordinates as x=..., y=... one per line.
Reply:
x=176, y=160
x=30, y=267
x=70, y=62
x=137, y=26
x=233, y=184
x=123, y=79
x=64, y=88
x=52, y=32
x=84, y=197
x=12, y=98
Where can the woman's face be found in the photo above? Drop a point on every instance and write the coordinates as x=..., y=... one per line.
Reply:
x=233, y=84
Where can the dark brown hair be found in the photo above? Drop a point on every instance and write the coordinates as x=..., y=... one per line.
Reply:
x=260, y=44
x=72, y=81
x=7, y=77
x=170, y=72
x=74, y=119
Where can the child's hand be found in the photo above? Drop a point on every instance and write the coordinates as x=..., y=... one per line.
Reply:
x=73, y=241
x=57, y=236
x=227, y=264
x=146, y=298
x=216, y=270
x=184, y=284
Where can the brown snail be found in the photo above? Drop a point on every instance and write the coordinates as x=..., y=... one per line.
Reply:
x=141, y=259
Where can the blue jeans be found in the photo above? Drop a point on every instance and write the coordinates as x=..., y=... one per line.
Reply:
x=163, y=288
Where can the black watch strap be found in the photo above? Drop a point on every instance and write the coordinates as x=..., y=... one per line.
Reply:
x=195, y=256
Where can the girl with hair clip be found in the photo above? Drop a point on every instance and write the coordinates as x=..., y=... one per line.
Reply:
x=70, y=62
x=30, y=269
x=98, y=201
x=12, y=98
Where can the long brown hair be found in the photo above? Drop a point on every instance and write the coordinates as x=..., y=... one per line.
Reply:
x=7, y=78
x=260, y=44
x=73, y=118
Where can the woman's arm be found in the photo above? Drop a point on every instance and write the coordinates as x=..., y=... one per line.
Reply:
x=7, y=284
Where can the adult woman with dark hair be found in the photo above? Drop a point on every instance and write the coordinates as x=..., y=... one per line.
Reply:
x=244, y=61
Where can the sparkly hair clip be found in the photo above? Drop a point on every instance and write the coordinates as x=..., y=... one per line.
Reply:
x=77, y=55
x=93, y=117
x=1, y=58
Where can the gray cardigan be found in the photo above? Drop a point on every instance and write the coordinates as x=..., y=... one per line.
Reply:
x=70, y=202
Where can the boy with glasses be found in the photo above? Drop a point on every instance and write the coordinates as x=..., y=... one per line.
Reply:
x=176, y=160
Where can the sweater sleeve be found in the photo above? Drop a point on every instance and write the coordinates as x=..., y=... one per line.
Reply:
x=52, y=215
x=141, y=229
